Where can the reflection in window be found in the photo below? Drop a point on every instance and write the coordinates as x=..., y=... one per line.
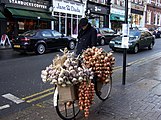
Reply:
x=75, y=24
x=56, y=22
x=46, y=34
x=56, y=33
x=63, y=23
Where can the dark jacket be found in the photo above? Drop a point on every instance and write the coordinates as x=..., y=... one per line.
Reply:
x=86, y=38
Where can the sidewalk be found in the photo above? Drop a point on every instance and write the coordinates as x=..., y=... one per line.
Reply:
x=139, y=99
x=5, y=47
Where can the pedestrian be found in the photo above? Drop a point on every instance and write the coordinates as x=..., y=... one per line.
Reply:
x=87, y=36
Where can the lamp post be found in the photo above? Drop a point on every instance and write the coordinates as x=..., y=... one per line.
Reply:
x=125, y=49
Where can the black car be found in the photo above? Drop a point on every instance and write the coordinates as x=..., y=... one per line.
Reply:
x=157, y=32
x=104, y=35
x=137, y=40
x=39, y=41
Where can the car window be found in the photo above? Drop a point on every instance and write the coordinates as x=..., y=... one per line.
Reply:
x=56, y=33
x=29, y=33
x=46, y=34
x=134, y=33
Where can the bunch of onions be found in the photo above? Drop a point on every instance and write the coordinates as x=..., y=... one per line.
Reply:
x=86, y=96
x=64, y=71
x=100, y=61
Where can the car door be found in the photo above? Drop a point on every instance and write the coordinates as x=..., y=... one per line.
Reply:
x=61, y=40
x=48, y=38
x=149, y=39
x=142, y=40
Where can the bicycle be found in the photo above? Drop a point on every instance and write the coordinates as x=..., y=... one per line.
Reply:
x=66, y=112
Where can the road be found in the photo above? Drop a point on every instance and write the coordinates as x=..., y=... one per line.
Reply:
x=20, y=81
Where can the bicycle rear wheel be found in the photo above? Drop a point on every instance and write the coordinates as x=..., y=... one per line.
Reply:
x=66, y=111
x=103, y=89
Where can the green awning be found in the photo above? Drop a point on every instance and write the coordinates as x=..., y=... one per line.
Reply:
x=117, y=17
x=27, y=14
x=2, y=16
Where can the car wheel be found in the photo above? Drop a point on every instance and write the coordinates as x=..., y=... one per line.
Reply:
x=160, y=35
x=136, y=49
x=150, y=47
x=71, y=45
x=40, y=49
x=102, y=42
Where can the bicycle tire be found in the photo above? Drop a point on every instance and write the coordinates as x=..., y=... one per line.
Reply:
x=63, y=113
x=103, y=93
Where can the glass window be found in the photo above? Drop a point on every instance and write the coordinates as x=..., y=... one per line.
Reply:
x=148, y=17
x=46, y=34
x=56, y=33
x=74, y=24
x=62, y=23
x=56, y=22
x=158, y=19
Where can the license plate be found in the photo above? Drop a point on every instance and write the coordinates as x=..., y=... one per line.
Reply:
x=16, y=46
x=117, y=46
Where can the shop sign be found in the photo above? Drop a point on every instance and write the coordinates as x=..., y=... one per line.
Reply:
x=137, y=7
x=120, y=12
x=27, y=3
x=99, y=9
x=67, y=7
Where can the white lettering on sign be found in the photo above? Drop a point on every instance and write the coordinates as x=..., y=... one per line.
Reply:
x=65, y=7
x=20, y=2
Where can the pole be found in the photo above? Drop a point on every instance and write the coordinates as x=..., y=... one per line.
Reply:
x=124, y=49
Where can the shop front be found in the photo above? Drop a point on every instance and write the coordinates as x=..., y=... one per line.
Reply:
x=117, y=18
x=68, y=14
x=137, y=18
x=98, y=14
x=23, y=15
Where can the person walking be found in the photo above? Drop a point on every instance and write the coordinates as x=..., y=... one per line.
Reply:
x=87, y=36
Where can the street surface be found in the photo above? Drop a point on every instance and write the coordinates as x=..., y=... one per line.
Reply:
x=20, y=81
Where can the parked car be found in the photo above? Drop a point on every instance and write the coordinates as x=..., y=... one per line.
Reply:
x=137, y=40
x=157, y=32
x=104, y=35
x=39, y=41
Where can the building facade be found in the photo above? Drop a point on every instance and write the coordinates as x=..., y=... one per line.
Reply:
x=98, y=12
x=23, y=15
x=153, y=13
x=67, y=14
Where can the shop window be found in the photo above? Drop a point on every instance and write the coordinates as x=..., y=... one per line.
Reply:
x=75, y=24
x=62, y=22
x=21, y=25
x=56, y=22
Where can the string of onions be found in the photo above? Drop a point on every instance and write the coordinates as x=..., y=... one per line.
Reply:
x=100, y=61
x=86, y=96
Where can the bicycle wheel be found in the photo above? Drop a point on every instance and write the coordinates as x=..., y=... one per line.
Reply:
x=103, y=89
x=64, y=110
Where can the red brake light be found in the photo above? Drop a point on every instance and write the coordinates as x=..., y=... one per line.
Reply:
x=98, y=35
x=25, y=39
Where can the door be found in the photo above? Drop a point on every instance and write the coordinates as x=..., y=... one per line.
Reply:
x=142, y=42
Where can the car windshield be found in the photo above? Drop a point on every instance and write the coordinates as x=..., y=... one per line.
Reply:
x=134, y=34
x=29, y=33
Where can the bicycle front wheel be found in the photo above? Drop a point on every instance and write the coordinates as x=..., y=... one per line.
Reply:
x=67, y=110
x=103, y=89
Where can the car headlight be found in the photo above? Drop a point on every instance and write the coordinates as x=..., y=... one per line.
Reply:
x=112, y=42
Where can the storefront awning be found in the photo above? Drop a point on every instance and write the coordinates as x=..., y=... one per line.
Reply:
x=19, y=13
x=117, y=17
x=2, y=16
